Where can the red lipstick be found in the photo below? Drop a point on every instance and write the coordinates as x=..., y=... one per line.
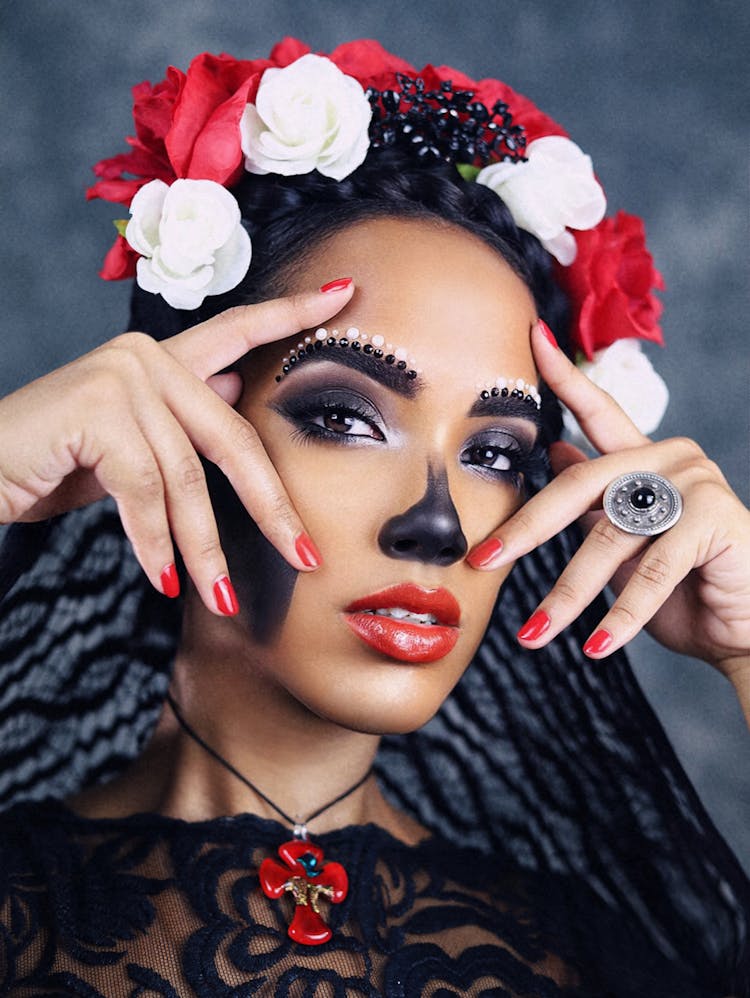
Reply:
x=399, y=635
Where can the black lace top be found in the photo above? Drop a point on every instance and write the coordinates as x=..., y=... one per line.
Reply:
x=149, y=905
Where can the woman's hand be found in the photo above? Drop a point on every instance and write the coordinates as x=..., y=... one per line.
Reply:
x=689, y=587
x=130, y=419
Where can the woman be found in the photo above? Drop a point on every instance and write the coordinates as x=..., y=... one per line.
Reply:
x=381, y=446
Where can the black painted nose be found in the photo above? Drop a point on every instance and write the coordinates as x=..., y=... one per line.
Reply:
x=429, y=531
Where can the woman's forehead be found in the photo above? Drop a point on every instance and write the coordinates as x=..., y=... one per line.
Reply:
x=434, y=290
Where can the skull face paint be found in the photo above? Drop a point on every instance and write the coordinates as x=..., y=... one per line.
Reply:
x=263, y=580
x=430, y=530
x=349, y=435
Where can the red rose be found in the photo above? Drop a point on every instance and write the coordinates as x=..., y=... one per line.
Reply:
x=120, y=261
x=433, y=76
x=186, y=126
x=153, y=108
x=611, y=284
x=370, y=64
x=536, y=123
x=287, y=51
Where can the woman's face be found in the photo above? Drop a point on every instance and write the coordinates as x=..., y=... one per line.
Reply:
x=395, y=478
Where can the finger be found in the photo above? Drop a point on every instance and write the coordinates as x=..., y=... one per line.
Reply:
x=215, y=344
x=663, y=566
x=227, y=439
x=137, y=486
x=189, y=511
x=599, y=416
x=576, y=490
x=562, y=454
x=604, y=551
x=227, y=386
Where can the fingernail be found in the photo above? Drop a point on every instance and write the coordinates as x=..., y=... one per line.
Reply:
x=225, y=596
x=307, y=553
x=340, y=284
x=598, y=642
x=547, y=333
x=535, y=626
x=170, y=584
x=483, y=553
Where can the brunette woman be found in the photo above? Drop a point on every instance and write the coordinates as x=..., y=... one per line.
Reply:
x=332, y=435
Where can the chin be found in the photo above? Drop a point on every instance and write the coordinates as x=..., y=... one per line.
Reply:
x=379, y=720
x=381, y=698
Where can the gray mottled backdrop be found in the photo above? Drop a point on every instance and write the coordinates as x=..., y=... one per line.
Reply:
x=655, y=92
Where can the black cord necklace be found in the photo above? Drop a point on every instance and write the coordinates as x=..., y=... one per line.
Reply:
x=303, y=873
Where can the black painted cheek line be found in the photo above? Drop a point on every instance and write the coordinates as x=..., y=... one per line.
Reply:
x=263, y=580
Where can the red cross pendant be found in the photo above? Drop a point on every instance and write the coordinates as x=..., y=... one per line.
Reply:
x=307, y=878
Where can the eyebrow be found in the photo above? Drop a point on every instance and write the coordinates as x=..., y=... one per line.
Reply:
x=499, y=405
x=376, y=368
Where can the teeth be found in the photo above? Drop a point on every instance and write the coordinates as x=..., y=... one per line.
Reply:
x=398, y=613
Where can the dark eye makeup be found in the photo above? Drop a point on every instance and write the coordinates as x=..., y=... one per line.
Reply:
x=500, y=454
x=338, y=415
x=344, y=416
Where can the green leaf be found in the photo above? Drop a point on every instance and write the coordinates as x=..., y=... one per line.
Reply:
x=121, y=224
x=467, y=171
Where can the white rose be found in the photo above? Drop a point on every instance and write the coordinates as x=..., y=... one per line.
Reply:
x=190, y=238
x=625, y=372
x=307, y=116
x=555, y=189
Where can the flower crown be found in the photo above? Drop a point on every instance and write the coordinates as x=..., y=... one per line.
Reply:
x=198, y=133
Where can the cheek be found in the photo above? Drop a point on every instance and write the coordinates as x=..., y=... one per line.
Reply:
x=346, y=494
x=483, y=505
x=264, y=581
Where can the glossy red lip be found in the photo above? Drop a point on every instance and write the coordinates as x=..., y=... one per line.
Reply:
x=439, y=602
x=402, y=640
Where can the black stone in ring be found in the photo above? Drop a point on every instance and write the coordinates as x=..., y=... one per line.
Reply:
x=642, y=503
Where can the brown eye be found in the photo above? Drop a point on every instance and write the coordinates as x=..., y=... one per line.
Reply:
x=338, y=421
x=488, y=457
x=345, y=421
x=335, y=415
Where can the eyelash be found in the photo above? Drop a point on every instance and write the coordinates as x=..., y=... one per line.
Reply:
x=525, y=461
x=304, y=412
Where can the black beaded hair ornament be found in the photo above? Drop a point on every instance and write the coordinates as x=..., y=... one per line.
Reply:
x=446, y=124
x=547, y=762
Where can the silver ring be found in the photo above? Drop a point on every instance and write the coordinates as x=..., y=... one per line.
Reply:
x=642, y=503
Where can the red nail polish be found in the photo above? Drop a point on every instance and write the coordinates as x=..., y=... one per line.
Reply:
x=483, y=553
x=170, y=584
x=340, y=284
x=535, y=626
x=307, y=553
x=225, y=596
x=548, y=334
x=598, y=642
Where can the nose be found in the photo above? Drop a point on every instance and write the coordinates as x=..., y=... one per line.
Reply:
x=429, y=531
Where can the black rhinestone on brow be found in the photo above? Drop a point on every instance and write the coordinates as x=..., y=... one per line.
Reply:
x=446, y=124
x=353, y=340
x=513, y=387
